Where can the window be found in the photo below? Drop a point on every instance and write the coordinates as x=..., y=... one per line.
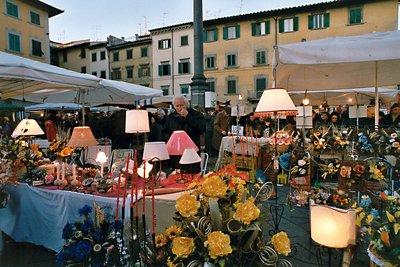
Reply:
x=83, y=52
x=319, y=21
x=355, y=15
x=129, y=72
x=232, y=32
x=184, y=40
x=116, y=56
x=83, y=69
x=37, y=48
x=260, y=85
x=103, y=74
x=14, y=42
x=116, y=74
x=94, y=73
x=211, y=62
x=210, y=35
x=164, y=69
x=129, y=54
x=231, y=85
x=261, y=57
x=65, y=56
x=35, y=18
x=12, y=9
x=164, y=44
x=165, y=89
x=210, y=85
x=102, y=55
x=231, y=60
x=289, y=24
x=260, y=28
x=143, y=51
x=144, y=71
x=94, y=57
x=184, y=67
x=184, y=89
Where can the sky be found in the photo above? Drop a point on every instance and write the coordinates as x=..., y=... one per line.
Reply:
x=95, y=20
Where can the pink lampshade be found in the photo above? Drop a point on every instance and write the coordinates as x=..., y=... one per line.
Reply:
x=82, y=136
x=275, y=101
x=178, y=141
x=190, y=156
x=155, y=150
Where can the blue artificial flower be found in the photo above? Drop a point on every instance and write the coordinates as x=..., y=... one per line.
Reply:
x=363, y=139
x=67, y=231
x=96, y=262
x=97, y=236
x=365, y=202
x=366, y=147
x=82, y=250
x=375, y=212
x=60, y=258
x=87, y=227
x=70, y=251
x=117, y=225
x=85, y=210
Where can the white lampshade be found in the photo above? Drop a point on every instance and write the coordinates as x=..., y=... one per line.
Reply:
x=190, y=156
x=101, y=157
x=137, y=121
x=275, y=101
x=155, y=150
x=82, y=136
x=145, y=173
x=27, y=127
x=333, y=227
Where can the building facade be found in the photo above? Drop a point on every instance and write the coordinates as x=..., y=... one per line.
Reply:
x=99, y=60
x=130, y=61
x=24, y=28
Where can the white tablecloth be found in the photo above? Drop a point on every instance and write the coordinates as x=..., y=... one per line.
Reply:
x=38, y=216
x=245, y=145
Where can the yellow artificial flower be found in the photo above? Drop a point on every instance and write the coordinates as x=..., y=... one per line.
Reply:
x=396, y=228
x=397, y=214
x=370, y=218
x=359, y=209
x=281, y=243
x=214, y=186
x=172, y=232
x=218, y=244
x=67, y=151
x=187, y=205
x=389, y=216
x=182, y=246
x=247, y=211
x=161, y=240
x=170, y=263
x=359, y=218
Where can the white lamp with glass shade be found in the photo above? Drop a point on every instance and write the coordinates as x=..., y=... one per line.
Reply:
x=101, y=158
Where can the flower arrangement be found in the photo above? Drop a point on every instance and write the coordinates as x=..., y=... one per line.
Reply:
x=96, y=242
x=301, y=167
x=340, y=140
x=319, y=141
x=59, y=148
x=219, y=225
x=381, y=227
x=368, y=142
x=392, y=142
x=7, y=176
x=282, y=139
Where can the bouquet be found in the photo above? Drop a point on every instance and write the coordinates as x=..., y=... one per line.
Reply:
x=340, y=140
x=368, y=142
x=282, y=140
x=96, y=242
x=392, y=142
x=319, y=141
x=218, y=224
x=381, y=227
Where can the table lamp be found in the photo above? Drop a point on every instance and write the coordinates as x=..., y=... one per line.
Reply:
x=27, y=127
x=101, y=158
x=137, y=121
x=177, y=143
x=82, y=137
x=190, y=156
x=276, y=102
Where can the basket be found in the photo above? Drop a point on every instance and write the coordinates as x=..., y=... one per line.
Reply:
x=241, y=162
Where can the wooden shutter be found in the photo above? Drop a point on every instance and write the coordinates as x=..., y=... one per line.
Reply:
x=237, y=31
x=254, y=29
x=310, y=21
x=326, y=20
x=216, y=34
x=281, y=25
x=295, y=24
x=267, y=27
x=225, y=33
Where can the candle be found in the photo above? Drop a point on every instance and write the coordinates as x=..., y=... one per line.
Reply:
x=119, y=185
x=74, y=171
x=153, y=215
x=126, y=182
x=133, y=179
x=144, y=191
x=247, y=139
x=58, y=170
x=63, y=171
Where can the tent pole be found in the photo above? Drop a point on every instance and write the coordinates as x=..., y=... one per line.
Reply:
x=376, y=97
x=83, y=108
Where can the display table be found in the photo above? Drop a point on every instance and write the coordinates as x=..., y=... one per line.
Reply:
x=245, y=145
x=38, y=216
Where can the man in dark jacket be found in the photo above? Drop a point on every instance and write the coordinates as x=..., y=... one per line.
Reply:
x=184, y=118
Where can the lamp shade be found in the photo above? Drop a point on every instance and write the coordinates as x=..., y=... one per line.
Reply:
x=101, y=157
x=333, y=227
x=82, y=136
x=27, y=127
x=155, y=150
x=137, y=121
x=190, y=156
x=275, y=101
x=178, y=141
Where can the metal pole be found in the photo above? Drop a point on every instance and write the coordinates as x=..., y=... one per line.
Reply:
x=198, y=84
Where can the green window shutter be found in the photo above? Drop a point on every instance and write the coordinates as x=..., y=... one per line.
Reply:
x=169, y=69
x=205, y=36
x=295, y=24
x=140, y=72
x=180, y=68
x=326, y=20
x=189, y=67
x=148, y=71
x=281, y=25
x=254, y=29
x=310, y=21
x=216, y=34
x=237, y=31
x=267, y=27
x=225, y=33
x=160, y=70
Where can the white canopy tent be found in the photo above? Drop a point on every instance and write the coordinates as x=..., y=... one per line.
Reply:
x=339, y=63
x=54, y=106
